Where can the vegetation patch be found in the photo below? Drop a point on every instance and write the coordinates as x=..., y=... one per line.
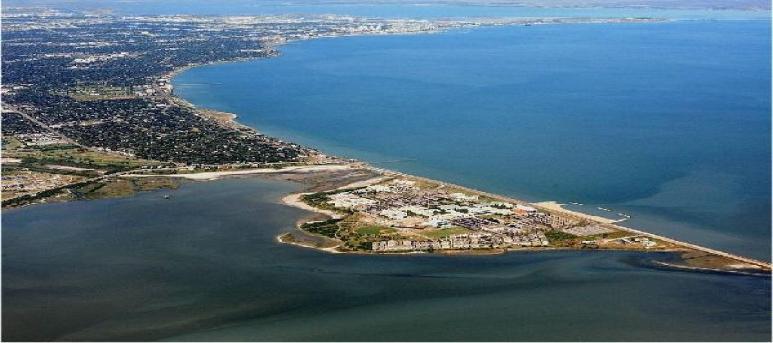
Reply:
x=73, y=156
x=560, y=238
x=443, y=233
x=123, y=187
x=327, y=228
x=374, y=230
x=154, y=183
x=318, y=200
x=611, y=235
x=11, y=143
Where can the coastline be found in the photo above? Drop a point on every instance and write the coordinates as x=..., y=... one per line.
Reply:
x=282, y=238
x=555, y=206
x=551, y=206
x=294, y=200
x=708, y=270
x=547, y=206
x=207, y=176
x=231, y=120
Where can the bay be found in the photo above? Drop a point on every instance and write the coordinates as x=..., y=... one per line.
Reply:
x=204, y=265
x=667, y=122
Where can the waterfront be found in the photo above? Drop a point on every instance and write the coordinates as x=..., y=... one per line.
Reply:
x=637, y=118
x=204, y=265
x=616, y=128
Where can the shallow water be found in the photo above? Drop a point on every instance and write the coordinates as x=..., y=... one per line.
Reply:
x=204, y=265
x=668, y=122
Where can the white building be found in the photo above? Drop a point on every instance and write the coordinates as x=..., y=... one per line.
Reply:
x=393, y=214
x=463, y=197
x=349, y=201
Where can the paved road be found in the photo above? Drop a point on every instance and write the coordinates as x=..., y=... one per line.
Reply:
x=82, y=182
x=10, y=108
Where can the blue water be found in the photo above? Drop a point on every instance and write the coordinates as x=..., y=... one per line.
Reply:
x=667, y=122
x=204, y=265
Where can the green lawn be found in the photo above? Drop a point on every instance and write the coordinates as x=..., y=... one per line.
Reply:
x=75, y=156
x=374, y=230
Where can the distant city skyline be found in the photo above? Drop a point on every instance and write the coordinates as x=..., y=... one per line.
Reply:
x=672, y=4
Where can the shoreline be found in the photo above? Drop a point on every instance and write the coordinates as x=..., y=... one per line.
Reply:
x=214, y=175
x=294, y=200
x=281, y=239
x=548, y=206
x=558, y=207
x=707, y=270
x=230, y=120
x=745, y=262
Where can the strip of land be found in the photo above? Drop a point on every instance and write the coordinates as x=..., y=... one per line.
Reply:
x=401, y=213
x=214, y=175
x=88, y=116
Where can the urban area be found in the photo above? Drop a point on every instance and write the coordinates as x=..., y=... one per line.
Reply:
x=88, y=96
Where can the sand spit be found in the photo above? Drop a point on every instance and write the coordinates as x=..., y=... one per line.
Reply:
x=206, y=176
x=294, y=200
x=283, y=239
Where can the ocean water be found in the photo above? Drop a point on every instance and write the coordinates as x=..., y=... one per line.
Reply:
x=668, y=122
x=204, y=265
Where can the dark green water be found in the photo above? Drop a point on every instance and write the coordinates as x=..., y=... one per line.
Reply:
x=204, y=265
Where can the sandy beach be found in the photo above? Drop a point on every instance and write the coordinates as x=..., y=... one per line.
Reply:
x=294, y=200
x=206, y=176
x=281, y=239
x=555, y=206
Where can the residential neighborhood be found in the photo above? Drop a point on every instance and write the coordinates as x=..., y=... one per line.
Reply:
x=405, y=215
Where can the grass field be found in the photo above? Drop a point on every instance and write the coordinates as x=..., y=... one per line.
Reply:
x=374, y=230
x=125, y=187
x=442, y=233
x=75, y=156
x=11, y=143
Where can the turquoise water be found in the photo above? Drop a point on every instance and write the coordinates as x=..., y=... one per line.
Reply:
x=204, y=265
x=669, y=122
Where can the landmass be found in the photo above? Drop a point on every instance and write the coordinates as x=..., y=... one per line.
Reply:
x=87, y=98
x=89, y=112
x=398, y=213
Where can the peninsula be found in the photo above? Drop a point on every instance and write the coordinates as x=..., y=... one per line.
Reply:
x=90, y=113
